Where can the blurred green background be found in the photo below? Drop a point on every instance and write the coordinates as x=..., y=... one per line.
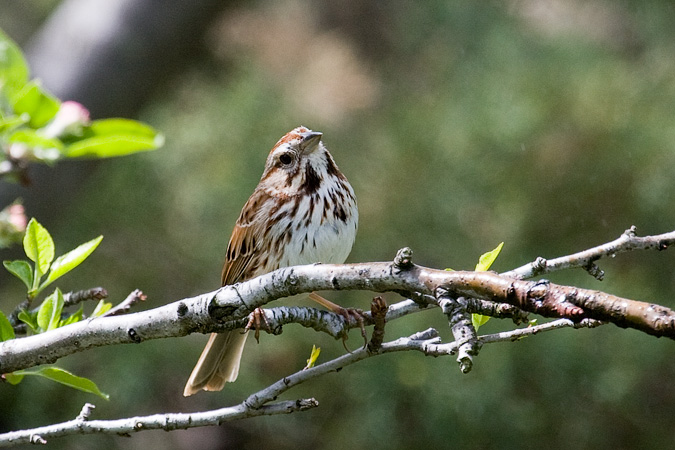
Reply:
x=549, y=125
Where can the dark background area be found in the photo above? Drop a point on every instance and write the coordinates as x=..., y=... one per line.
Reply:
x=548, y=125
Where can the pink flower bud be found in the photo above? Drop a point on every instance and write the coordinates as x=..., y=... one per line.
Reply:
x=70, y=119
x=17, y=217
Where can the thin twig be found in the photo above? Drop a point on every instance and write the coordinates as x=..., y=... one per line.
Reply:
x=628, y=241
x=69, y=299
x=378, y=311
x=426, y=342
x=73, y=298
x=125, y=306
x=462, y=328
x=168, y=422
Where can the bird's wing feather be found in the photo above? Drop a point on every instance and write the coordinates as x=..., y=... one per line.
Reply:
x=245, y=241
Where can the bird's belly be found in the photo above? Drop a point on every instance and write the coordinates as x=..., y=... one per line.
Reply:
x=328, y=243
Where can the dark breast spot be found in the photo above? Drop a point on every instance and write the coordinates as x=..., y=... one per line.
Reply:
x=331, y=168
x=312, y=203
x=340, y=213
x=296, y=205
x=312, y=180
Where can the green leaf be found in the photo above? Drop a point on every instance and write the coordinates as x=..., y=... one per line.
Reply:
x=65, y=263
x=75, y=317
x=484, y=263
x=479, y=320
x=13, y=67
x=6, y=329
x=66, y=378
x=114, y=137
x=34, y=139
x=39, y=247
x=39, y=104
x=49, y=314
x=41, y=148
x=10, y=122
x=101, y=308
x=488, y=258
x=12, y=378
x=20, y=269
x=29, y=319
x=316, y=351
x=121, y=127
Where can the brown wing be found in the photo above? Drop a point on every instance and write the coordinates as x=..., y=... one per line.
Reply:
x=245, y=241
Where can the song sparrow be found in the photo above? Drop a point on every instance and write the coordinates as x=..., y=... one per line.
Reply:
x=302, y=211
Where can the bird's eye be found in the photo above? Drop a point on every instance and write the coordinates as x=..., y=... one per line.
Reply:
x=285, y=159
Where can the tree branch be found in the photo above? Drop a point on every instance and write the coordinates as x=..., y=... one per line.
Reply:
x=212, y=311
x=586, y=259
x=125, y=306
x=168, y=422
x=73, y=298
x=259, y=404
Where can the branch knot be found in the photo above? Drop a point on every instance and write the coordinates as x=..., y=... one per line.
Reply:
x=87, y=409
x=403, y=259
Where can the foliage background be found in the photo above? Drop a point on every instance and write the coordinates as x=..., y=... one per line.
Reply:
x=545, y=124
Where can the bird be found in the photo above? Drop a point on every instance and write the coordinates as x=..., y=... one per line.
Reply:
x=302, y=211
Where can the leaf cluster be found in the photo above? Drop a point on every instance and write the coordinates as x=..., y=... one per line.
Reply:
x=39, y=247
x=35, y=126
x=38, y=273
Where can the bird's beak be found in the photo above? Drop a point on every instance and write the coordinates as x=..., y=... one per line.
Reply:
x=310, y=140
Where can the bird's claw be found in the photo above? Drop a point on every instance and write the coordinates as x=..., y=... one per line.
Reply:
x=258, y=320
x=352, y=315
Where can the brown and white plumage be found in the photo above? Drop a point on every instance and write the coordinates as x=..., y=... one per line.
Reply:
x=302, y=211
